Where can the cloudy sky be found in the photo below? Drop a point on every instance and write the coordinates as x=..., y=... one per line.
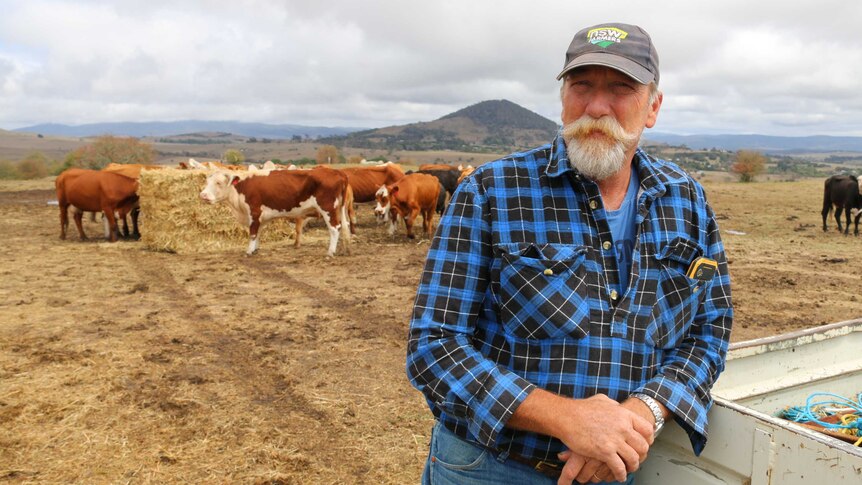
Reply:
x=731, y=66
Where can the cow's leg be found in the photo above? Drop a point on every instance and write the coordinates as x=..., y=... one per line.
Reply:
x=333, y=239
x=64, y=219
x=108, y=212
x=297, y=230
x=825, y=214
x=408, y=223
x=393, y=222
x=427, y=222
x=136, y=234
x=253, y=235
x=838, y=217
x=78, y=215
x=856, y=226
x=847, y=219
x=106, y=227
x=333, y=223
x=125, y=225
x=346, y=226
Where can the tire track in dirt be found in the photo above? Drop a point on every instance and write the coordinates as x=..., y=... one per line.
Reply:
x=345, y=308
x=267, y=388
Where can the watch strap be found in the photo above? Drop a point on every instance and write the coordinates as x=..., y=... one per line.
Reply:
x=653, y=406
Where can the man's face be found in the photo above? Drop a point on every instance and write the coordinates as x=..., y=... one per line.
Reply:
x=599, y=91
x=604, y=114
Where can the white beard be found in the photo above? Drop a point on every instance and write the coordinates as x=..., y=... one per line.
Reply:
x=597, y=159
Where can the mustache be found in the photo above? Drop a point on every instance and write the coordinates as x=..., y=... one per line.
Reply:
x=606, y=125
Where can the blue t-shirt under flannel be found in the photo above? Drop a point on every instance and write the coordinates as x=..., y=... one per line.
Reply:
x=624, y=230
x=517, y=289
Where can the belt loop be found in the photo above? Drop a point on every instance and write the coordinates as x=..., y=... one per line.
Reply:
x=502, y=456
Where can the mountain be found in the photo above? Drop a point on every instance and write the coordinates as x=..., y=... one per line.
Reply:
x=763, y=143
x=169, y=128
x=487, y=126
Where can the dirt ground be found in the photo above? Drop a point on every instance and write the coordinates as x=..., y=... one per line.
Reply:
x=123, y=365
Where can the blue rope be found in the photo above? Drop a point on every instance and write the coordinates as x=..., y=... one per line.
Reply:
x=814, y=410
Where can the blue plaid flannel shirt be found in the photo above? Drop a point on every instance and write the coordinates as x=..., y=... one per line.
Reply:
x=516, y=294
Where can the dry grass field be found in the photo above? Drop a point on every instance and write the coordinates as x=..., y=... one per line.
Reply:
x=16, y=146
x=123, y=365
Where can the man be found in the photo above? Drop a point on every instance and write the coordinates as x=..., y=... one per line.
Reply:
x=575, y=295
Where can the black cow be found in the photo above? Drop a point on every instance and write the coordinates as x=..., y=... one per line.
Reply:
x=842, y=191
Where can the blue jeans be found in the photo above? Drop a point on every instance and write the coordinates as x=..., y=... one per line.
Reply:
x=453, y=461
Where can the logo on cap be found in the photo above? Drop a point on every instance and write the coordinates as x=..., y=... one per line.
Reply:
x=605, y=36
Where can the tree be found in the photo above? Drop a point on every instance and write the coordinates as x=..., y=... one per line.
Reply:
x=109, y=149
x=748, y=164
x=327, y=154
x=233, y=157
x=34, y=166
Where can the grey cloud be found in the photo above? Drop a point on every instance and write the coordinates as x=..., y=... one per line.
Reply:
x=736, y=66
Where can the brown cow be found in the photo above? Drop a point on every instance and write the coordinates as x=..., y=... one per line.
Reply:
x=414, y=193
x=259, y=197
x=465, y=172
x=365, y=181
x=131, y=170
x=94, y=191
x=437, y=166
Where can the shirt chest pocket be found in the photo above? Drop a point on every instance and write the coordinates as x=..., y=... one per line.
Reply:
x=543, y=292
x=678, y=296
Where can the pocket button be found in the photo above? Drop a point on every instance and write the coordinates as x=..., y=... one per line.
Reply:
x=548, y=272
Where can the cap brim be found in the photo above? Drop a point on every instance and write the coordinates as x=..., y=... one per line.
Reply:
x=625, y=66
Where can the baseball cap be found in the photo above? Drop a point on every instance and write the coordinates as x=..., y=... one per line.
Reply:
x=626, y=48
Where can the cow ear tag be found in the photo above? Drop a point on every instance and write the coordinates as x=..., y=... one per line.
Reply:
x=234, y=181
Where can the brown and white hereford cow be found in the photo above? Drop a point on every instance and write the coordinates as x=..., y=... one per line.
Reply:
x=365, y=181
x=95, y=191
x=258, y=198
x=415, y=193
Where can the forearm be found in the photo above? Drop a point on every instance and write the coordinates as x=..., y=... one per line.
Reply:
x=545, y=413
x=596, y=427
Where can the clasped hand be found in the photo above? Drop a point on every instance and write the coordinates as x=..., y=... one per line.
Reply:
x=609, y=441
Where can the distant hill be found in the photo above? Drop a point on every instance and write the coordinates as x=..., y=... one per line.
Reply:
x=490, y=125
x=171, y=128
x=763, y=143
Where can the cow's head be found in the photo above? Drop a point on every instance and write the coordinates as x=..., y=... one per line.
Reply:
x=384, y=203
x=219, y=185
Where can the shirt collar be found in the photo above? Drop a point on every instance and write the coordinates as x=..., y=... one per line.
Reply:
x=650, y=181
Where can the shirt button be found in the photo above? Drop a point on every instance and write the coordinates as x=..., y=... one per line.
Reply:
x=548, y=272
x=593, y=204
x=606, y=245
x=614, y=295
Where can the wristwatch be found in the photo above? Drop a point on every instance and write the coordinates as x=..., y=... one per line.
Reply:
x=653, y=406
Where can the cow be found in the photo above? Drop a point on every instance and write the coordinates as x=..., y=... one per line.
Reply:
x=413, y=194
x=449, y=180
x=95, y=191
x=131, y=170
x=365, y=181
x=196, y=165
x=257, y=198
x=843, y=192
x=465, y=172
x=437, y=166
